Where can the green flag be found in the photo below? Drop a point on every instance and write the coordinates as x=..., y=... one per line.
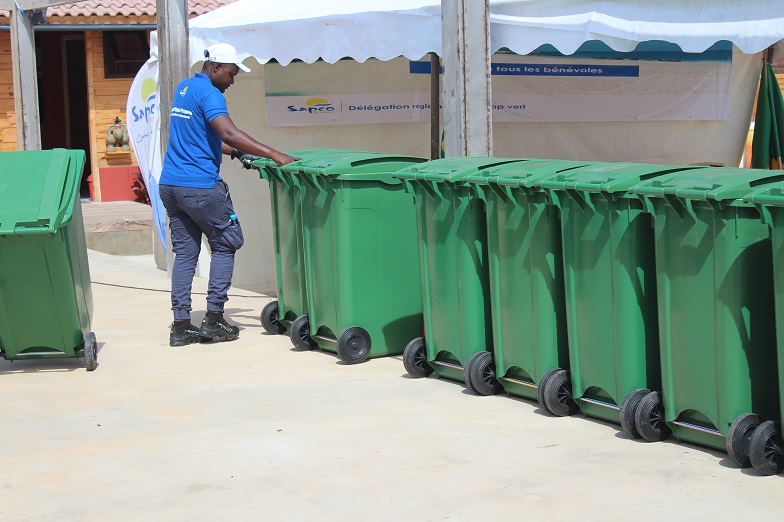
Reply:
x=767, y=144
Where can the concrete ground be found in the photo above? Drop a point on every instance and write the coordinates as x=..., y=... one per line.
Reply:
x=254, y=430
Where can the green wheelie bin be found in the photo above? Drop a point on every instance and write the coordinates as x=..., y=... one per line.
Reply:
x=766, y=447
x=458, y=341
x=714, y=279
x=359, y=243
x=45, y=277
x=610, y=294
x=285, y=199
x=525, y=274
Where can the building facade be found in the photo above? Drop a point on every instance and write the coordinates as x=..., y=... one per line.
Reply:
x=87, y=55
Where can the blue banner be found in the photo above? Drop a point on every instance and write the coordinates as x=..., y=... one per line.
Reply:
x=547, y=69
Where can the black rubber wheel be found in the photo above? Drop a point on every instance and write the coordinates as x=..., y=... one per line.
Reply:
x=353, y=345
x=766, y=449
x=540, y=388
x=467, y=372
x=739, y=438
x=483, y=374
x=415, y=358
x=649, y=418
x=300, y=333
x=558, y=395
x=629, y=408
x=270, y=320
x=90, y=352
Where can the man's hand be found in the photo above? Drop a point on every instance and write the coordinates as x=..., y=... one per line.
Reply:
x=284, y=159
x=246, y=160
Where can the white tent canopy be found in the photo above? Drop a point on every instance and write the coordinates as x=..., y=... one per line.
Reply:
x=308, y=30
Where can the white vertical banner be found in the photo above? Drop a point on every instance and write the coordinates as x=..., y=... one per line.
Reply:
x=144, y=128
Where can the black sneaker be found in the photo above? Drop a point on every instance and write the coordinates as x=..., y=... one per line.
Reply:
x=214, y=327
x=183, y=335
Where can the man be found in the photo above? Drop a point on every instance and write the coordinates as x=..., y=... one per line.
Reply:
x=197, y=199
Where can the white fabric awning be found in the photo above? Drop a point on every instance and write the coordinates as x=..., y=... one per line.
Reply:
x=308, y=30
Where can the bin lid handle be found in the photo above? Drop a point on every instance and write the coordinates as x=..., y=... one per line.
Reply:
x=67, y=193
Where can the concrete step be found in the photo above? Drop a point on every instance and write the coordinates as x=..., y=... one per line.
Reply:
x=122, y=228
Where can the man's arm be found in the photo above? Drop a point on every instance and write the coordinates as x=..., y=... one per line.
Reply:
x=234, y=138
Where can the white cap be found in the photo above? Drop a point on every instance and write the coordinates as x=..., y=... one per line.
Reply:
x=224, y=53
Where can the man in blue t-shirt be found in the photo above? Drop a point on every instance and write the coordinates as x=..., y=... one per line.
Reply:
x=197, y=199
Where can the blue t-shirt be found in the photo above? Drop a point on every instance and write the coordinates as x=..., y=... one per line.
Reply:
x=194, y=152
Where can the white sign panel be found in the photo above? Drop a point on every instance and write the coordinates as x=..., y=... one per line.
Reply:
x=525, y=88
x=348, y=108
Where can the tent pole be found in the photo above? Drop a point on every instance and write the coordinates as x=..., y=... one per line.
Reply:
x=435, y=109
x=173, y=59
x=465, y=37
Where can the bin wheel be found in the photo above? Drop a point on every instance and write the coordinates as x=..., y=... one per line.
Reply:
x=558, y=394
x=90, y=352
x=629, y=408
x=766, y=449
x=540, y=389
x=739, y=437
x=649, y=418
x=467, y=372
x=482, y=372
x=300, y=333
x=270, y=320
x=354, y=345
x=415, y=358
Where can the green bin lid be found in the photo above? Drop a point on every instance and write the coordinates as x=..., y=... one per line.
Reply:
x=709, y=183
x=452, y=170
x=38, y=189
x=305, y=154
x=610, y=177
x=526, y=174
x=347, y=164
x=770, y=194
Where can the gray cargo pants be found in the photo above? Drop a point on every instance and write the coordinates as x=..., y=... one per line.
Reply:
x=193, y=212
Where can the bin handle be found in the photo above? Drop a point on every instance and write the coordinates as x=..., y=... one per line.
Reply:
x=307, y=169
x=429, y=176
x=510, y=182
x=766, y=199
x=693, y=193
x=479, y=180
x=66, y=201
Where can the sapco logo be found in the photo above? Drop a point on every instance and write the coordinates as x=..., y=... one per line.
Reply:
x=314, y=106
x=149, y=106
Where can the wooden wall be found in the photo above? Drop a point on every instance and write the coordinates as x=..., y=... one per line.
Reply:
x=7, y=116
x=108, y=98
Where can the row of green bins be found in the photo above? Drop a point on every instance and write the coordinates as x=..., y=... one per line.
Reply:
x=359, y=254
x=525, y=274
x=610, y=292
x=45, y=277
x=453, y=258
x=285, y=200
x=716, y=307
x=766, y=447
